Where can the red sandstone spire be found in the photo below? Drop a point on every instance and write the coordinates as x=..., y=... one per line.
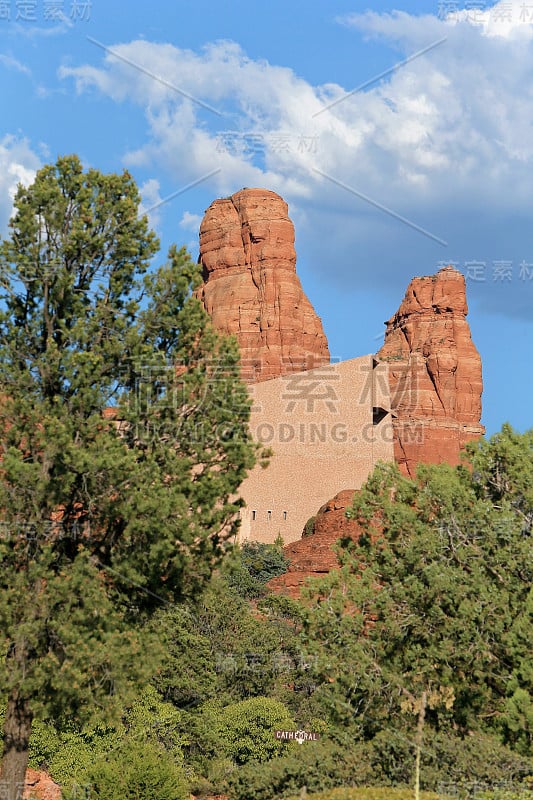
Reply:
x=435, y=372
x=251, y=288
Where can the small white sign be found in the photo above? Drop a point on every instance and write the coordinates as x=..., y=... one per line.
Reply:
x=297, y=736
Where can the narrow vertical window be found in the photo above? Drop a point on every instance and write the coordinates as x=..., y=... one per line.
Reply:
x=284, y=515
x=253, y=515
x=269, y=516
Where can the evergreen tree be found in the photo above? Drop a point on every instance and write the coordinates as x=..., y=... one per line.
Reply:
x=430, y=615
x=124, y=437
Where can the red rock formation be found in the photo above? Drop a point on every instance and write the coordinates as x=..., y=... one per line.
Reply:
x=312, y=556
x=40, y=786
x=435, y=372
x=251, y=288
x=435, y=386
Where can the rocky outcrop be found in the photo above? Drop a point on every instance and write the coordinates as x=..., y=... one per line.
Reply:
x=313, y=556
x=434, y=372
x=251, y=288
x=40, y=786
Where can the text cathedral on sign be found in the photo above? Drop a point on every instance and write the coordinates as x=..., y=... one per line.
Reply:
x=297, y=736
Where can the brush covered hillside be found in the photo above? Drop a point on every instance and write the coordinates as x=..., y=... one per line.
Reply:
x=420, y=641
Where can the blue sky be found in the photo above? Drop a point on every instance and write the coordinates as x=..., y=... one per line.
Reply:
x=401, y=136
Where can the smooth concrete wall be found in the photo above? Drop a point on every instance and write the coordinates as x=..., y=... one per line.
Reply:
x=320, y=426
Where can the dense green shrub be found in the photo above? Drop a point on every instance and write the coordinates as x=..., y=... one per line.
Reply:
x=446, y=760
x=245, y=731
x=264, y=561
x=255, y=563
x=315, y=765
x=133, y=771
x=453, y=626
x=77, y=750
x=388, y=760
x=69, y=753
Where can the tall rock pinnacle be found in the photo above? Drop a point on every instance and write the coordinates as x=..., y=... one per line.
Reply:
x=434, y=372
x=251, y=288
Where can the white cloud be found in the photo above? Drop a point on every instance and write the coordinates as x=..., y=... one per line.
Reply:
x=455, y=109
x=443, y=141
x=14, y=63
x=190, y=222
x=191, y=140
x=35, y=32
x=18, y=164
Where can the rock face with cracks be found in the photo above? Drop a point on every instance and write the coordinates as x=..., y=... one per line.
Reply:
x=251, y=288
x=434, y=372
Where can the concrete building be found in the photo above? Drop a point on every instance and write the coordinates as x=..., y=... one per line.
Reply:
x=327, y=428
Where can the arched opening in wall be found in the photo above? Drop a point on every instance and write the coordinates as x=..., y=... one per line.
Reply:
x=284, y=516
x=269, y=516
x=254, y=514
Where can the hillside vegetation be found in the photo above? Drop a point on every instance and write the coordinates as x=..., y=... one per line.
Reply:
x=419, y=645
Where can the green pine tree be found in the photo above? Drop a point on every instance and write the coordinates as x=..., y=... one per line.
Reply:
x=124, y=438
